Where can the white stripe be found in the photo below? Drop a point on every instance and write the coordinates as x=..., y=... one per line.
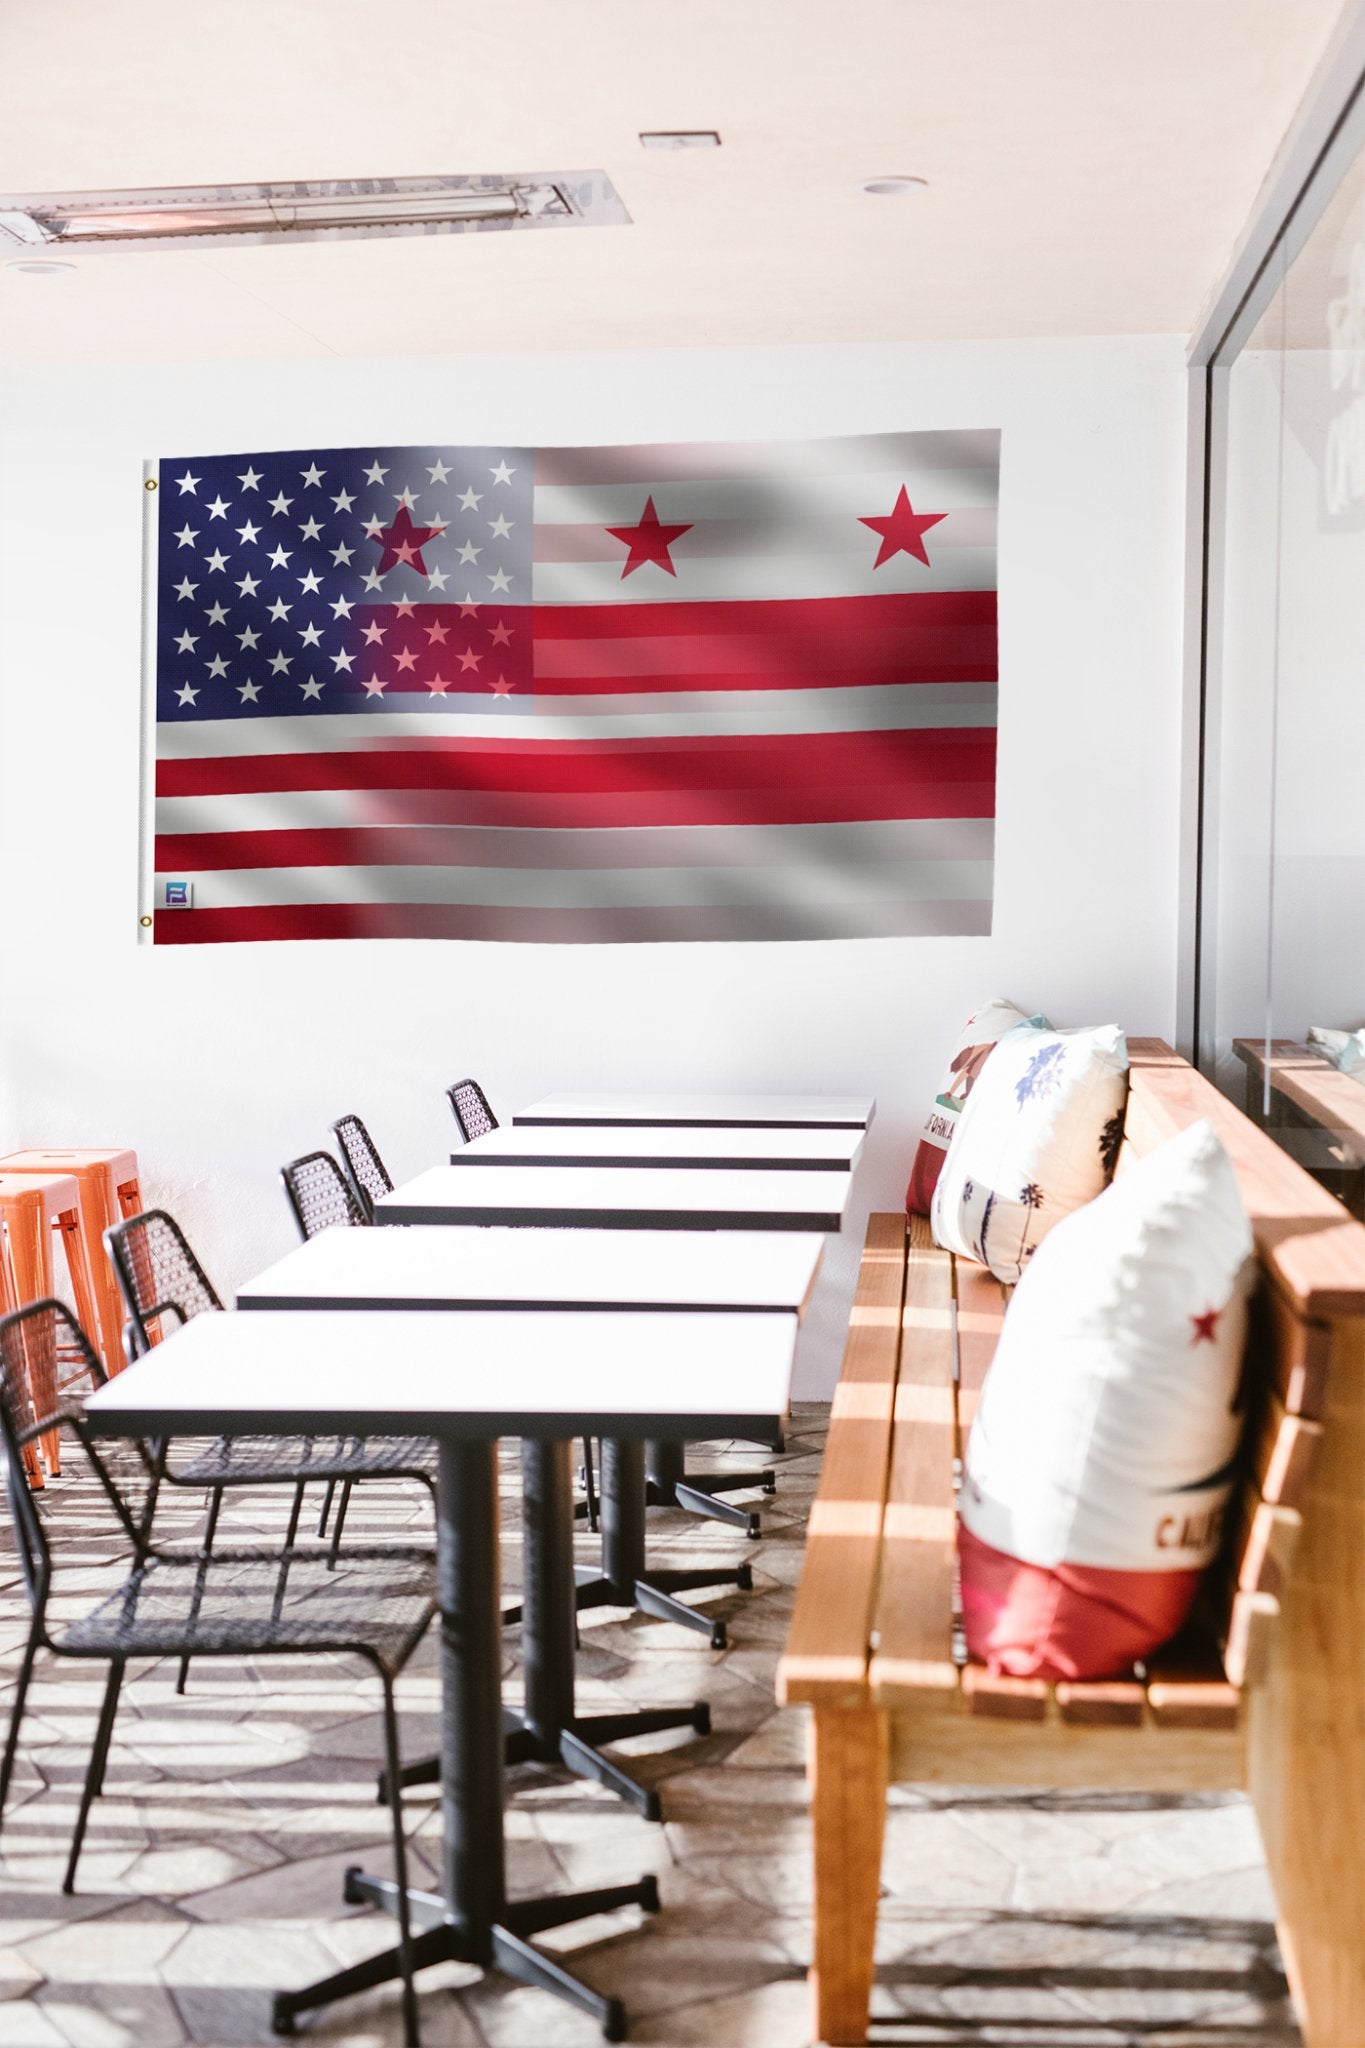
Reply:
x=785, y=461
x=838, y=845
x=887, y=707
x=763, y=498
x=707, y=580
x=807, y=888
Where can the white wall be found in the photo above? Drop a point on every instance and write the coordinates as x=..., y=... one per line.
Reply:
x=218, y=1063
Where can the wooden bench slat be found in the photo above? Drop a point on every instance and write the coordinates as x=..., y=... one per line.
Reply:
x=1187, y=1686
x=914, y=1613
x=1289, y=1350
x=1251, y=1632
x=1262, y=1541
x=981, y=1304
x=1102, y=1703
x=827, y=1648
x=1282, y=1451
x=997, y=1698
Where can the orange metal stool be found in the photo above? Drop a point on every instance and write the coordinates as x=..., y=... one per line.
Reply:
x=9, y=1301
x=109, y=1192
x=32, y=1206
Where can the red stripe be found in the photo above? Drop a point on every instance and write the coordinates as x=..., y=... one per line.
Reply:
x=807, y=643
x=508, y=922
x=804, y=671
x=910, y=614
x=734, y=771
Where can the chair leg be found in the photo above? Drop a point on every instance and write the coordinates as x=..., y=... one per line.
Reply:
x=16, y=1715
x=94, y=1777
x=325, y=1516
x=589, y=1484
x=206, y=1545
x=292, y=1527
x=411, y=2037
x=340, y=1523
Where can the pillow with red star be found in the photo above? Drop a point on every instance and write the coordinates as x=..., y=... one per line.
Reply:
x=1103, y=1455
x=975, y=1043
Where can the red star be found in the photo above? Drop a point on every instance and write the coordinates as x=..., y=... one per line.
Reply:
x=902, y=529
x=1205, y=1326
x=648, y=542
x=402, y=542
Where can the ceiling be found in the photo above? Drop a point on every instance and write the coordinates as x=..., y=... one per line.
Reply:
x=1090, y=165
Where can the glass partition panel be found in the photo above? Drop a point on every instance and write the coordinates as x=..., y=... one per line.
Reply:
x=1285, y=821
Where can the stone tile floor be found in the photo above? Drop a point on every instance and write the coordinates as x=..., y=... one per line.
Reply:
x=212, y=1869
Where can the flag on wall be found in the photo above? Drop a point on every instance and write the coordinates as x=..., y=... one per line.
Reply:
x=711, y=691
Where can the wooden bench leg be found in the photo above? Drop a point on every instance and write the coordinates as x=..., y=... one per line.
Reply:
x=848, y=1770
x=1307, y=1757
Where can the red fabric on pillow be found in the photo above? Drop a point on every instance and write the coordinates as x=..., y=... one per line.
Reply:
x=1066, y=1620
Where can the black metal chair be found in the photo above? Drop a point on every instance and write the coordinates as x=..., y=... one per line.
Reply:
x=228, y=1603
x=321, y=1198
x=369, y=1176
x=320, y=1194
x=161, y=1279
x=469, y=1107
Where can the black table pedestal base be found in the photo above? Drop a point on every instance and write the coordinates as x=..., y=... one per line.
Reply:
x=549, y=1729
x=668, y=1484
x=654, y=1593
x=437, y=1939
x=625, y=1579
x=576, y=1744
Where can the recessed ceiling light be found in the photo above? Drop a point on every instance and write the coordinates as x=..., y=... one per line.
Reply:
x=335, y=209
x=893, y=188
x=679, y=138
x=40, y=269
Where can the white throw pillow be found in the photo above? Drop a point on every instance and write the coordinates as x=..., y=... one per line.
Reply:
x=1107, y=1428
x=1038, y=1135
x=1345, y=1049
x=972, y=1048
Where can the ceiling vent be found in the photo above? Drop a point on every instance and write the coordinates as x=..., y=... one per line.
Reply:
x=342, y=209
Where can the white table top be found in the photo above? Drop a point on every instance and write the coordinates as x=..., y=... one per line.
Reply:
x=796, y=1112
x=619, y=1198
x=471, y=1377
x=774, y=1146
x=444, y=1268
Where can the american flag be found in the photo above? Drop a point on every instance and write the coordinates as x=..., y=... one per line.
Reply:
x=710, y=691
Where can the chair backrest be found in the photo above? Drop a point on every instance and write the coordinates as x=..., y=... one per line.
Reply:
x=369, y=1175
x=469, y=1105
x=158, y=1274
x=318, y=1194
x=49, y=1328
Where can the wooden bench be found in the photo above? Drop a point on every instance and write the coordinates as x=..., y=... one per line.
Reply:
x=1266, y=1691
x=1315, y=1110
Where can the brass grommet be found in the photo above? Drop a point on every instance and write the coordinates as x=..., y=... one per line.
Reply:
x=149, y=483
x=144, y=920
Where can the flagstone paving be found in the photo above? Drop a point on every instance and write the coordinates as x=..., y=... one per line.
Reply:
x=213, y=1866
